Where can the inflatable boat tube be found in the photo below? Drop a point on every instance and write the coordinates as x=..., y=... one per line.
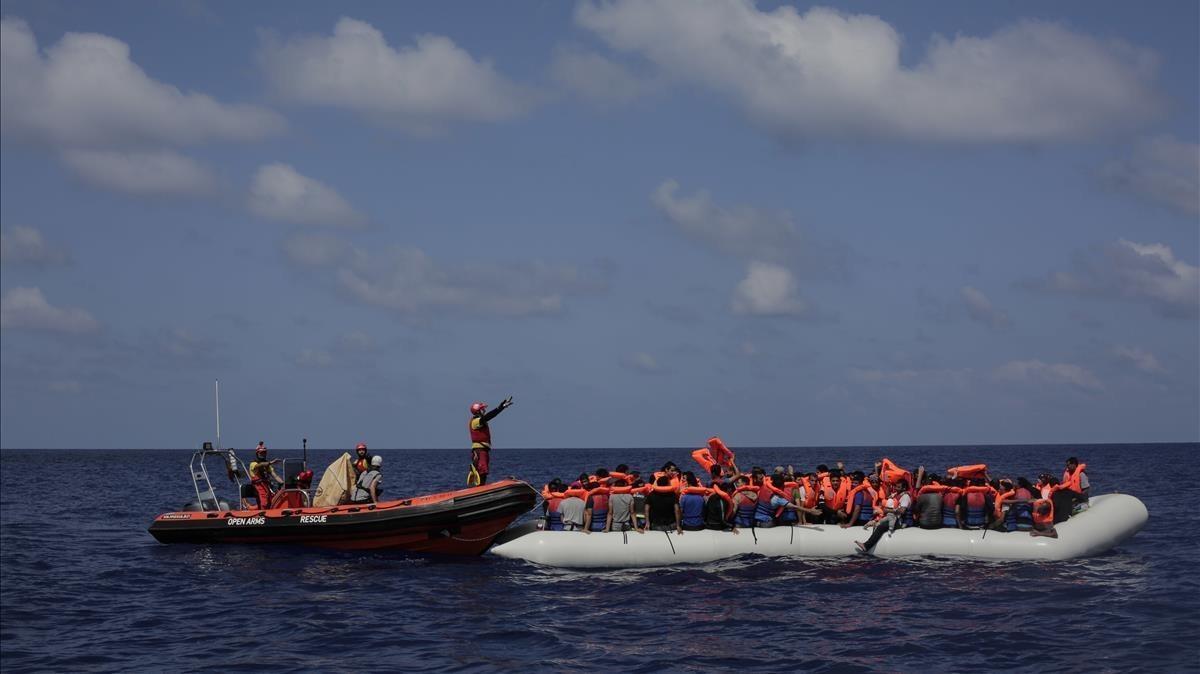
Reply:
x=1110, y=520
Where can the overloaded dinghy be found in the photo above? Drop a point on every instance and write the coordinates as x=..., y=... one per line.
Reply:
x=462, y=522
x=1110, y=520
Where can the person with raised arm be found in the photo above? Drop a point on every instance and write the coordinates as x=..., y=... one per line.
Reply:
x=481, y=439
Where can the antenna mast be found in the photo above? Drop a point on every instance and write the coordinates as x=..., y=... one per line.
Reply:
x=217, y=391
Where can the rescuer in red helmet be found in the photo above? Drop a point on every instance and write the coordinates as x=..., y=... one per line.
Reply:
x=481, y=439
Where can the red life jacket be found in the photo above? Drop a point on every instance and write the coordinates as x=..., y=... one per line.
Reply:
x=481, y=438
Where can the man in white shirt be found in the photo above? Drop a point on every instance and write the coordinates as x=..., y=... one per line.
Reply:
x=894, y=508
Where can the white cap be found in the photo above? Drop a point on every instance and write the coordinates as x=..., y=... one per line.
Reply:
x=376, y=461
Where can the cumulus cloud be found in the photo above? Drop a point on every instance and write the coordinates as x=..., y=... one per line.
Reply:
x=1147, y=273
x=27, y=309
x=826, y=73
x=161, y=173
x=749, y=233
x=279, y=192
x=419, y=87
x=1163, y=170
x=980, y=309
x=1054, y=374
x=595, y=78
x=768, y=290
x=642, y=363
x=85, y=91
x=409, y=282
x=744, y=232
x=25, y=245
x=1138, y=358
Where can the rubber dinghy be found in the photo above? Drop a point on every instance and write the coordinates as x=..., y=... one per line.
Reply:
x=1110, y=520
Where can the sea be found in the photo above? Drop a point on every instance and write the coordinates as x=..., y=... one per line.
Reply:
x=85, y=588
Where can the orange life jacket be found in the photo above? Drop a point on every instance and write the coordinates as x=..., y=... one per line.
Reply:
x=705, y=458
x=876, y=497
x=973, y=470
x=1071, y=479
x=810, y=493
x=837, y=499
x=1043, y=521
x=890, y=473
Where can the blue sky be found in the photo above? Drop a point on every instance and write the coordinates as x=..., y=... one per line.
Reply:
x=861, y=224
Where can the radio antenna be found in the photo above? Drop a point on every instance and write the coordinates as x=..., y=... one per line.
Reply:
x=217, y=392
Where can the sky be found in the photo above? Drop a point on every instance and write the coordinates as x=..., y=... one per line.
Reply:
x=870, y=223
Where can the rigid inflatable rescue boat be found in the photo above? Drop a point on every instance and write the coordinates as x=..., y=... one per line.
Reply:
x=1110, y=520
x=462, y=522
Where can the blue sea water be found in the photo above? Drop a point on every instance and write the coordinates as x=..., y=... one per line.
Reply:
x=84, y=587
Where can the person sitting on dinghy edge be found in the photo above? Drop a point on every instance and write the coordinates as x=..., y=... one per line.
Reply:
x=481, y=437
x=620, y=508
x=369, y=485
x=894, y=508
x=572, y=509
x=662, y=507
x=262, y=474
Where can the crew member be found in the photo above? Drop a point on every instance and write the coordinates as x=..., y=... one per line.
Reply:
x=369, y=485
x=481, y=439
x=261, y=475
x=362, y=460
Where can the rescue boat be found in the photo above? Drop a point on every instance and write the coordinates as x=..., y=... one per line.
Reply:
x=461, y=522
x=1110, y=520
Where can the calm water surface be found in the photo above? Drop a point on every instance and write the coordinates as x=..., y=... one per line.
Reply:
x=85, y=588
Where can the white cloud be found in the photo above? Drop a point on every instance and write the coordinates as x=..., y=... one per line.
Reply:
x=744, y=232
x=1138, y=358
x=314, y=358
x=594, y=77
x=25, y=245
x=980, y=309
x=420, y=88
x=278, y=192
x=825, y=73
x=643, y=363
x=409, y=282
x=314, y=250
x=161, y=173
x=768, y=290
x=84, y=91
x=1147, y=273
x=1038, y=373
x=1164, y=170
x=27, y=309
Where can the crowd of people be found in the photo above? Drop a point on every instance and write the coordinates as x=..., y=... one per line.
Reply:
x=884, y=498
